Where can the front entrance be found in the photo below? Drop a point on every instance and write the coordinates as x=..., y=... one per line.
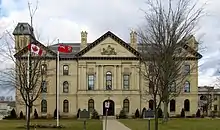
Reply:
x=111, y=110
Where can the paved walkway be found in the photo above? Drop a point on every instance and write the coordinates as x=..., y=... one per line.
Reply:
x=113, y=124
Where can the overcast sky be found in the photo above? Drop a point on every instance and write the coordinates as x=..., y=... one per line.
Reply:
x=65, y=19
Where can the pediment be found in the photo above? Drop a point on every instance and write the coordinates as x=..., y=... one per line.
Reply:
x=108, y=45
x=109, y=48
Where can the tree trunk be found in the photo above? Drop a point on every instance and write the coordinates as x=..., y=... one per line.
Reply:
x=28, y=118
x=155, y=114
x=165, y=112
x=156, y=120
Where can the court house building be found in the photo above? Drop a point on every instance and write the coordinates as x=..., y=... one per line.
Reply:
x=101, y=71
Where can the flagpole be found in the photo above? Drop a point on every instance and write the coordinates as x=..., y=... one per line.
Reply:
x=58, y=84
x=28, y=83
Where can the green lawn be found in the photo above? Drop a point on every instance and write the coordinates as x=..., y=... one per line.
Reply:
x=175, y=124
x=68, y=123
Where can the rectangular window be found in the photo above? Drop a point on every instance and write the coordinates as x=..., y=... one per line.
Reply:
x=151, y=69
x=172, y=87
x=186, y=69
x=215, y=107
x=215, y=97
x=125, y=81
x=43, y=69
x=43, y=86
x=65, y=70
x=91, y=82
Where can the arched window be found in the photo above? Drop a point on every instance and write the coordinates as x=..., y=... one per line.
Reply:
x=44, y=106
x=151, y=104
x=126, y=106
x=65, y=70
x=172, y=105
x=151, y=87
x=108, y=81
x=65, y=87
x=187, y=87
x=66, y=106
x=90, y=105
x=186, y=105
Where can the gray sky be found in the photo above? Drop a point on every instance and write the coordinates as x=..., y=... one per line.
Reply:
x=65, y=19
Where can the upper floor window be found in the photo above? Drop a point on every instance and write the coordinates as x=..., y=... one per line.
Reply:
x=172, y=87
x=151, y=87
x=91, y=82
x=187, y=86
x=43, y=86
x=65, y=87
x=151, y=68
x=108, y=81
x=215, y=97
x=65, y=70
x=126, y=78
x=43, y=68
x=186, y=69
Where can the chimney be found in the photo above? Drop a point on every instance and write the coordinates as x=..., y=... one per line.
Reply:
x=83, y=40
x=133, y=39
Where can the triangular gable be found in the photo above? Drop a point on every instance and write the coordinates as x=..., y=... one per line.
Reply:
x=103, y=37
x=25, y=50
x=128, y=47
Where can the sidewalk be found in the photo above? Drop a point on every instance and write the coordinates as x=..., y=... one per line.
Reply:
x=113, y=124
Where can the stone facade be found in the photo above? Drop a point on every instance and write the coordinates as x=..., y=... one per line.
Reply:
x=105, y=70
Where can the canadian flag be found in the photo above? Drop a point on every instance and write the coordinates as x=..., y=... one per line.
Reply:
x=35, y=49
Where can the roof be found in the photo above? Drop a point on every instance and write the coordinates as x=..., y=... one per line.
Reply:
x=23, y=29
x=76, y=52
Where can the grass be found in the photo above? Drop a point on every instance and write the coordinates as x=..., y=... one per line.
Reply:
x=69, y=124
x=175, y=124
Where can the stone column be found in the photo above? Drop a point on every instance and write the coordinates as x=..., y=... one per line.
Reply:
x=97, y=78
x=115, y=79
x=132, y=79
x=119, y=77
x=79, y=77
x=84, y=79
x=101, y=78
x=138, y=80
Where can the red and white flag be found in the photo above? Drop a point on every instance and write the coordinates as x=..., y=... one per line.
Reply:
x=65, y=48
x=35, y=49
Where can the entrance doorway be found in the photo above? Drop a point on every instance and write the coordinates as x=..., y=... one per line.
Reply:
x=111, y=110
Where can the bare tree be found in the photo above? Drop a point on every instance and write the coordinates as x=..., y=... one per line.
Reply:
x=27, y=89
x=169, y=47
x=206, y=98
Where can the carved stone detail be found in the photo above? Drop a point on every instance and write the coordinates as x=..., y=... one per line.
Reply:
x=108, y=51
